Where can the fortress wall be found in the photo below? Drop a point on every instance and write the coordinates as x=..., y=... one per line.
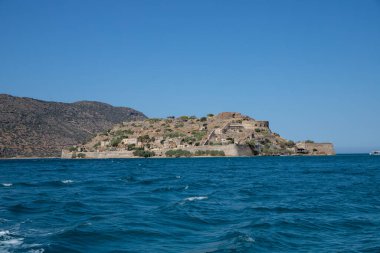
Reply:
x=255, y=124
x=229, y=150
x=322, y=148
x=262, y=123
x=100, y=155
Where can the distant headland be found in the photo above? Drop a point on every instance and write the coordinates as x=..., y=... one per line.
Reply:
x=225, y=134
x=36, y=128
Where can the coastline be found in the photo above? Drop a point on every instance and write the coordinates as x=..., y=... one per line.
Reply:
x=163, y=157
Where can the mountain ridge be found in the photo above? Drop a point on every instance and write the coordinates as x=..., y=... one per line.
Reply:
x=36, y=128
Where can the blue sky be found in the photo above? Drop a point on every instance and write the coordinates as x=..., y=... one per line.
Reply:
x=312, y=68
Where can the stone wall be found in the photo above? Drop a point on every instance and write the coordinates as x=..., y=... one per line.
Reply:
x=317, y=148
x=229, y=150
x=255, y=124
x=100, y=155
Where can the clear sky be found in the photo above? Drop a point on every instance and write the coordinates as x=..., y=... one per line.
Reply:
x=312, y=68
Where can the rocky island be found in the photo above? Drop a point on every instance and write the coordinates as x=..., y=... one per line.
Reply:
x=225, y=134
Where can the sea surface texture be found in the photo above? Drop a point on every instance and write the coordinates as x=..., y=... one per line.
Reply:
x=258, y=204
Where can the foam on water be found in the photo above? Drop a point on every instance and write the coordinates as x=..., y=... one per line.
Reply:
x=8, y=242
x=196, y=198
x=67, y=181
x=7, y=184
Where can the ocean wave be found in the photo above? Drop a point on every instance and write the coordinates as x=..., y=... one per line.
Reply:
x=68, y=181
x=36, y=251
x=53, y=183
x=8, y=241
x=196, y=198
x=7, y=184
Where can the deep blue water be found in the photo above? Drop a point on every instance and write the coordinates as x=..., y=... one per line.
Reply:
x=259, y=204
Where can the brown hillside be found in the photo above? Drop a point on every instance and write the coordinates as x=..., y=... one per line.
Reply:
x=30, y=127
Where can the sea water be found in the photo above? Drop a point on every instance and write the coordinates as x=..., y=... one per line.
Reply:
x=257, y=204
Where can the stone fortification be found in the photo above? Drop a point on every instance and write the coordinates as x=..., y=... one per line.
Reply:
x=228, y=133
x=316, y=148
x=228, y=150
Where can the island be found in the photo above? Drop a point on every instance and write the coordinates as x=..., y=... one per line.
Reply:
x=226, y=134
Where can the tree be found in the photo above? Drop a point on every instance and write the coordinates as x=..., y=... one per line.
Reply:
x=81, y=155
x=72, y=149
x=143, y=138
x=143, y=153
x=178, y=153
x=116, y=141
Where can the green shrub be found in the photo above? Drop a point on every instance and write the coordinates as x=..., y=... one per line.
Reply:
x=116, y=141
x=199, y=134
x=81, y=155
x=203, y=119
x=173, y=134
x=257, y=130
x=309, y=141
x=144, y=138
x=131, y=147
x=72, y=149
x=210, y=115
x=178, y=153
x=125, y=132
x=143, y=153
x=184, y=118
x=154, y=120
x=188, y=140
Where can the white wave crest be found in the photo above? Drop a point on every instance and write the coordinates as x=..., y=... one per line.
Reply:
x=196, y=198
x=36, y=251
x=8, y=241
x=4, y=232
x=7, y=184
x=248, y=239
x=67, y=181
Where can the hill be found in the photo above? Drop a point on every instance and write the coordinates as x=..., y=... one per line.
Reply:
x=30, y=127
x=226, y=134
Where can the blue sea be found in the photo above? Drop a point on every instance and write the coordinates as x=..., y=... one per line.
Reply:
x=256, y=204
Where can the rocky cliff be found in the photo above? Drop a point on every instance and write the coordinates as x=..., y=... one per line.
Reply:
x=30, y=127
